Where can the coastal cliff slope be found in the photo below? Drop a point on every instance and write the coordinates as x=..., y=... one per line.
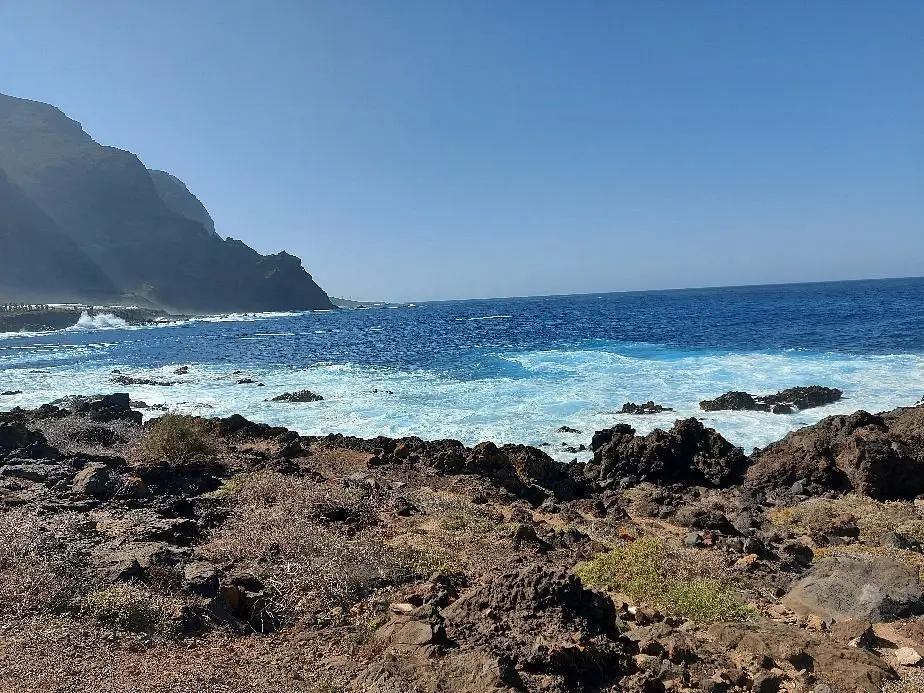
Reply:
x=154, y=242
x=38, y=260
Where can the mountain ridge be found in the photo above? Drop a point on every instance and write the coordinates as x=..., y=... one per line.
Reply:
x=148, y=234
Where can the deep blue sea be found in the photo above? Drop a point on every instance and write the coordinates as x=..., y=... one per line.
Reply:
x=508, y=370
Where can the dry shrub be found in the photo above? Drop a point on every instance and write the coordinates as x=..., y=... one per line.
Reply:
x=281, y=529
x=820, y=516
x=452, y=535
x=136, y=608
x=179, y=439
x=40, y=570
x=678, y=580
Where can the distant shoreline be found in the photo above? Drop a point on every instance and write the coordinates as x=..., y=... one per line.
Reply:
x=47, y=318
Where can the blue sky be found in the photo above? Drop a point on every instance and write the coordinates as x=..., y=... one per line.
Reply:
x=413, y=149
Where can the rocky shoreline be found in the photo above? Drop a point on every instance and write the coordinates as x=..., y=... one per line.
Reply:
x=50, y=318
x=247, y=557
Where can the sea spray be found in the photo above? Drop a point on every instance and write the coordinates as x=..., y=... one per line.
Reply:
x=100, y=321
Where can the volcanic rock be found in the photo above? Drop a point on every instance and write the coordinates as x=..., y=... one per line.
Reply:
x=881, y=456
x=840, y=588
x=300, y=396
x=101, y=408
x=648, y=407
x=783, y=402
x=846, y=668
x=688, y=454
x=543, y=621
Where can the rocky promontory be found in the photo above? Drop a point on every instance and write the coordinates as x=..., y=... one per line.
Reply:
x=188, y=554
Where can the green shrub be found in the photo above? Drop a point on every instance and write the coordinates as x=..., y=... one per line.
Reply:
x=133, y=608
x=669, y=578
x=179, y=439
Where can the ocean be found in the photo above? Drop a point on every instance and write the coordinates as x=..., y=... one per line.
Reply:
x=507, y=370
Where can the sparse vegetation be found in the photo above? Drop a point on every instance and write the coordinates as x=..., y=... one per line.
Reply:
x=670, y=578
x=133, y=607
x=179, y=439
x=282, y=526
x=40, y=572
x=819, y=516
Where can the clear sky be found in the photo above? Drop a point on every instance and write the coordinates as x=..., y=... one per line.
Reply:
x=424, y=149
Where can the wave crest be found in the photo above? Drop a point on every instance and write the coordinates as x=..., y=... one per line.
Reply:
x=100, y=321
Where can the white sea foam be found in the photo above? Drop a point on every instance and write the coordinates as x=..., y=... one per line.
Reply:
x=245, y=317
x=583, y=389
x=99, y=321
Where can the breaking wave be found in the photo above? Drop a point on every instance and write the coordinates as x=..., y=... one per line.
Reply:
x=101, y=321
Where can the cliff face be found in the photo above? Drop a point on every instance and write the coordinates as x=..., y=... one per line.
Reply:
x=174, y=193
x=37, y=260
x=148, y=234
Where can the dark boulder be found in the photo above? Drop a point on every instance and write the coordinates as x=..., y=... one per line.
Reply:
x=689, y=453
x=730, y=401
x=96, y=480
x=783, y=402
x=237, y=426
x=841, y=588
x=101, y=408
x=648, y=407
x=16, y=440
x=297, y=397
x=881, y=456
x=544, y=622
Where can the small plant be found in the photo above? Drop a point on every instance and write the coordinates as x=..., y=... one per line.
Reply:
x=649, y=571
x=133, y=608
x=179, y=439
x=426, y=561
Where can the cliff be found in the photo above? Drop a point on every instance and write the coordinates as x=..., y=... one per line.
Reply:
x=151, y=239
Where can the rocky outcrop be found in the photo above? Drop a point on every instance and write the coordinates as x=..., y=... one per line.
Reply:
x=124, y=232
x=841, y=588
x=845, y=668
x=689, y=453
x=648, y=407
x=102, y=408
x=545, y=623
x=783, y=402
x=878, y=455
x=295, y=397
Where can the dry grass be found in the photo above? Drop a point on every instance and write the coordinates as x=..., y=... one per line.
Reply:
x=135, y=608
x=179, y=439
x=452, y=535
x=681, y=581
x=819, y=516
x=281, y=529
x=63, y=655
x=40, y=569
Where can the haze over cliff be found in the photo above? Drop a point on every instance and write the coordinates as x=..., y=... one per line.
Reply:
x=82, y=221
